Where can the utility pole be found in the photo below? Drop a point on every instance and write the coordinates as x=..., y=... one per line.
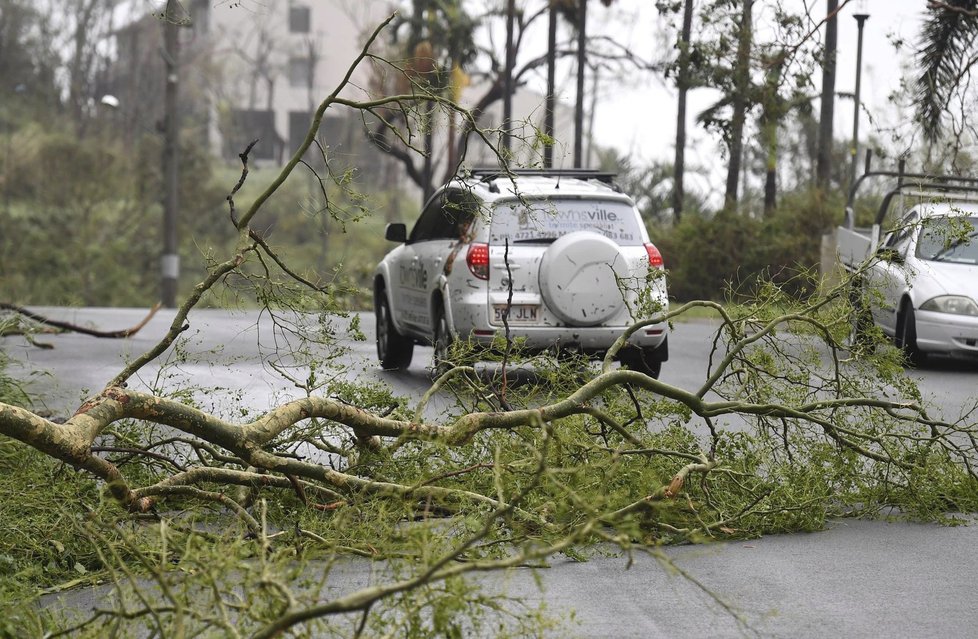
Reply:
x=170, y=260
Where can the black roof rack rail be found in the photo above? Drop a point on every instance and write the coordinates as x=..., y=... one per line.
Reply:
x=905, y=181
x=945, y=182
x=487, y=174
x=932, y=187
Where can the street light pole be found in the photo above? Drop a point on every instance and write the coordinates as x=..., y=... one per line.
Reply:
x=860, y=21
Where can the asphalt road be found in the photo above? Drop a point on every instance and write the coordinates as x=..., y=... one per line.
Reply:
x=856, y=579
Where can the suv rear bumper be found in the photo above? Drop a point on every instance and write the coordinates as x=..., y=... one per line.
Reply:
x=588, y=339
x=468, y=316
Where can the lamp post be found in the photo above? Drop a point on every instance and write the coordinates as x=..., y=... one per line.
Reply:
x=860, y=21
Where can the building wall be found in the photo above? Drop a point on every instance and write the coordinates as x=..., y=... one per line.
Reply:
x=275, y=61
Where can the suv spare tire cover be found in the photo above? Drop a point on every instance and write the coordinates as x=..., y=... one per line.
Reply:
x=579, y=278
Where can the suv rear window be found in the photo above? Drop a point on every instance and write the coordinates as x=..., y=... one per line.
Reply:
x=546, y=220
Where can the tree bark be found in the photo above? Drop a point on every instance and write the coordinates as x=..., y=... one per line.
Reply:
x=740, y=99
x=682, y=84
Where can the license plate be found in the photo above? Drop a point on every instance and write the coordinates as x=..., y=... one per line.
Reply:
x=518, y=313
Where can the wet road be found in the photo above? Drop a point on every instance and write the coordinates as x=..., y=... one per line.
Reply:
x=857, y=579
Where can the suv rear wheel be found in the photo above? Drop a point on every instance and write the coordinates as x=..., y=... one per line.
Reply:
x=644, y=360
x=393, y=349
x=442, y=343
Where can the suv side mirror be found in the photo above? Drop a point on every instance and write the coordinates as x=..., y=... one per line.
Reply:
x=396, y=232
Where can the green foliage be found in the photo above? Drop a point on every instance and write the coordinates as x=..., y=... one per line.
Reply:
x=43, y=503
x=96, y=204
x=96, y=207
x=11, y=391
x=707, y=257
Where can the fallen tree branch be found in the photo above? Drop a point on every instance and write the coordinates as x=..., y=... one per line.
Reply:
x=75, y=328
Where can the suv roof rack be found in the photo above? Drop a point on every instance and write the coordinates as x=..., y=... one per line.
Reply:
x=487, y=174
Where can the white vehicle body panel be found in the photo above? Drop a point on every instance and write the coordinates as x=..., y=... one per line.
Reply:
x=905, y=278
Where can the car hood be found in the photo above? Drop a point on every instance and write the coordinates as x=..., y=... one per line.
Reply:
x=940, y=278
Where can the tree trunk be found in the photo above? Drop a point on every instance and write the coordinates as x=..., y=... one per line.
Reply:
x=774, y=109
x=81, y=63
x=682, y=84
x=548, y=121
x=770, y=188
x=508, y=77
x=579, y=104
x=823, y=169
x=741, y=87
x=428, y=170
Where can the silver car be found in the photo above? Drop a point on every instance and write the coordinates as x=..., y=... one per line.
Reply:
x=560, y=257
x=926, y=281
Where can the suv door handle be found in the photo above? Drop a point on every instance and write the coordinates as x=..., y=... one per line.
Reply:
x=502, y=267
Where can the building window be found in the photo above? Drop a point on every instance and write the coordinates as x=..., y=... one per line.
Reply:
x=244, y=126
x=299, y=19
x=332, y=134
x=299, y=72
x=299, y=122
x=200, y=16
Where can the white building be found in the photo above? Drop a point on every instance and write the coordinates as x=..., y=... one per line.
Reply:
x=259, y=69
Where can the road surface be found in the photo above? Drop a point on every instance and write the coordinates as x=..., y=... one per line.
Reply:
x=856, y=579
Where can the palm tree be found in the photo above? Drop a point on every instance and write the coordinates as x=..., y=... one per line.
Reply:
x=739, y=103
x=948, y=50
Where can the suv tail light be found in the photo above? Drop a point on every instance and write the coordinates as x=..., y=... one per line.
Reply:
x=655, y=257
x=477, y=260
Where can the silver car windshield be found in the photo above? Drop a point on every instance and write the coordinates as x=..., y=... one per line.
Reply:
x=949, y=239
x=543, y=221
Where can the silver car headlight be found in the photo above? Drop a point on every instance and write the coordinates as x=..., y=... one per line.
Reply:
x=954, y=304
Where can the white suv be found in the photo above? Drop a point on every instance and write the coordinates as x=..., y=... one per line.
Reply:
x=560, y=256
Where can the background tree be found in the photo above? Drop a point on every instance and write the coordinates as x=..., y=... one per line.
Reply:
x=942, y=88
x=28, y=58
x=683, y=82
x=739, y=101
x=826, y=119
